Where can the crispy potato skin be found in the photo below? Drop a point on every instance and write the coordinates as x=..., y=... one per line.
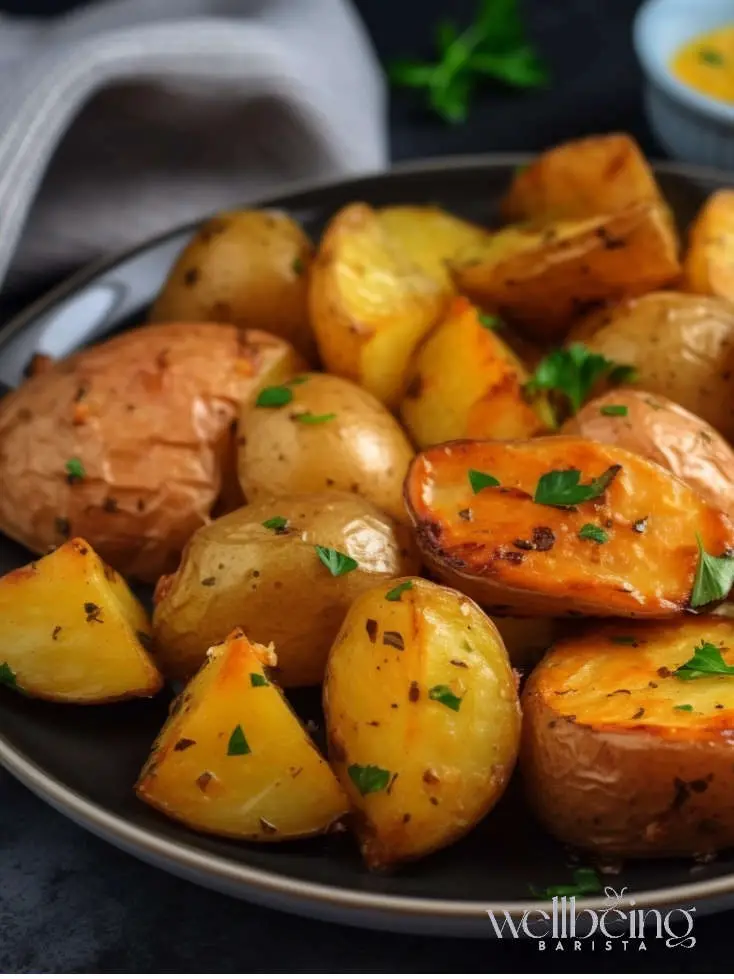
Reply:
x=708, y=267
x=447, y=767
x=665, y=433
x=72, y=631
x=245, y=268
x=370, y=304
x=361, y=450
x=553, y=572
x=609, y=764
x=465, y=382
x=148, y=414
x=541, y=278
x=280, y=788
x=681, y=345
x=235, y=572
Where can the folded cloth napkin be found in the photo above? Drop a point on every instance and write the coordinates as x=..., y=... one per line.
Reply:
x=126, y=118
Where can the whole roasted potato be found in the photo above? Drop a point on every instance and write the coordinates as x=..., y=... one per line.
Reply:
x=561, y=526
x=246, y=268
x=422, y=717
x=285, y=570
x=662, y=431
x=331, y=435
x=128, y=443
x=681, y=345
x=708, y=267
x=625, y=753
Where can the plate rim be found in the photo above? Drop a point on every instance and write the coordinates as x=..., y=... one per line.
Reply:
x=279, y=889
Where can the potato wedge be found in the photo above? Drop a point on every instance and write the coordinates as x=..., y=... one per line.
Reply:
x=681, y=345
x=465, y=382
x=245, y=268
x=662, y=431
x=542, y=278
x=519, y=557
x=71, y=630
x=580, y=179
x=370, y=304
x=708, y=266
x=422, y=717
x=233, y=759
x=622, y=756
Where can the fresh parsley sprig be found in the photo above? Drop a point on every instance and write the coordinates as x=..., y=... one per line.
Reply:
x=714, y=577
x=585, y=881
x=561, y=487
x=572, y=372
x=706, y=661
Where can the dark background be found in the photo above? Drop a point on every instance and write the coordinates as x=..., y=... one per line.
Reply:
x=71, y=903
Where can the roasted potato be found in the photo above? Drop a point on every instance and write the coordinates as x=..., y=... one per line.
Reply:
x=422, y=717
x=259, y=568
x=370, y=304
x=465, y=382
x=622, y=756
x=245, y=268
x=708, y=267
x=629, y=548
x=128, y=443
x=660, y=430
x=71, y=630
x=541, y=278
x=580, y=179
x=681, y=345
x=233, y=759
x=332, y=435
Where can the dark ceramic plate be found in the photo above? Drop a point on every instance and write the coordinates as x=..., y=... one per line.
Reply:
x=84, y=760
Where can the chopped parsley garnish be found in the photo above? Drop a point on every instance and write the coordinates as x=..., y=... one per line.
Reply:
x=394, y=594
x=706, y=661
x=585, y=881
x=274, y=397
x=75, y=470
x=445, y=695
x=275, y=523
x=336, y=562
x=258, y=680
x=710, y=56
x=369, y=778
x=714, y=577
x=307, y=418
x=683, y=707
x=573, y=371
x=561, y=487
x=590, y=531
x=623, y=640
x=238, y=742
x=479, y=480
x=489, y=321
x=297, y=265
x=620, y=411
x=7, y=677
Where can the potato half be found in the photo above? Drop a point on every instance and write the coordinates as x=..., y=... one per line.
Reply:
x=519, y=557
x=71, y=630
x=708, y=267
x=422, y=715
x=233, y=759
x=621, y=756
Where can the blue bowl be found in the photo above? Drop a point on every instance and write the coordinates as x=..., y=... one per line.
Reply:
x=689, y=125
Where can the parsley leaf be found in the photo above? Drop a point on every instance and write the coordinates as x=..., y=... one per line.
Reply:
x=591, y=531
x=620, y=411
x=710, y=56
x=278, y=524
x=561, y=487
x=394, y=594
x=258, y=680
x=683, y=707
x=74, y=470
x=490, y=322
x=7, y=677
x=714, y=577
x=623, y=640
x=238, y=742
x=369, y=778
x=308, y=419
x=585, y=881
x=445, y=695
x=337, y=563
x=706, y=661
x=274, y=397
x=479, y=480
x=573, y=371
x=297, y=265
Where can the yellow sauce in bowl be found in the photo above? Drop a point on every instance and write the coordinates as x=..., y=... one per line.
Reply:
x=706, y=64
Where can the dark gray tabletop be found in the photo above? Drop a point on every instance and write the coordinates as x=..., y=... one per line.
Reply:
x=72, y=903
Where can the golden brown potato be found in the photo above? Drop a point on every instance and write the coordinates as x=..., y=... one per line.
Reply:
x=622, y=756
x=425, y=747
x=682, y=347
x=233, y=759
x=259, y=568
x=465, y=382
x=708, y=267
x=542, y=277
x=246, y=268
x=332, y=435
x=580, y=179
x=71, y=630
x=127, y=443
x=662, y=431
x=629, y=549
x=370, y=304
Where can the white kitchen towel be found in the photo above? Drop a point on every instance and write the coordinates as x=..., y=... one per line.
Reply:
x=129, y=117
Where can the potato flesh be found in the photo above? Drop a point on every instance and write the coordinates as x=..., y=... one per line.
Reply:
x=447, y=768
x=709, y=263
x=647, y=573
x=71, y=630
x=280, y=789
